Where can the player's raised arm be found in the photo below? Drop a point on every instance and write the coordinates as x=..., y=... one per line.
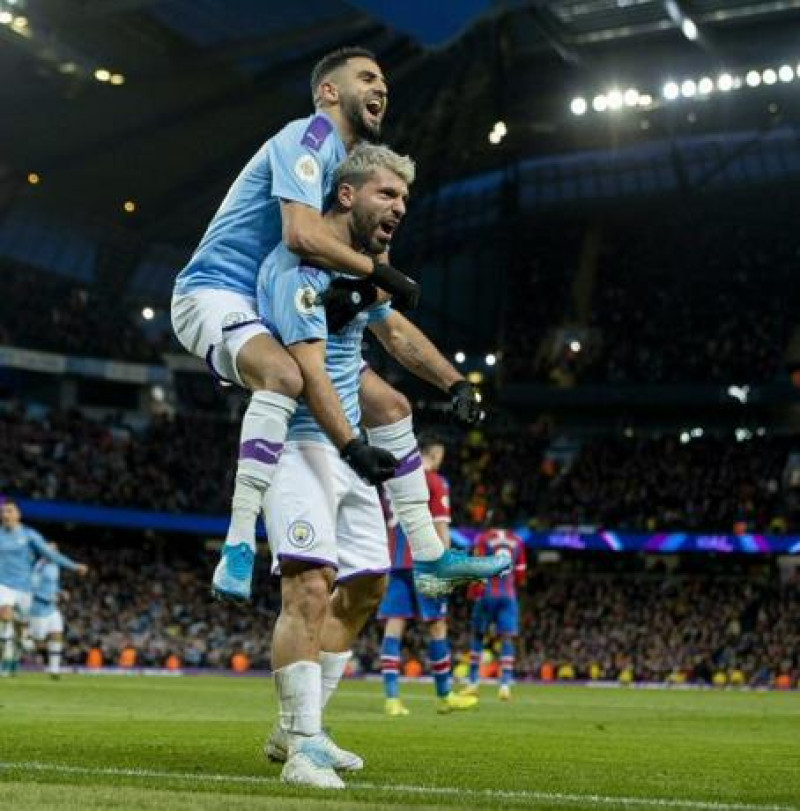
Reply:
x=407, y=344
x=46, y=551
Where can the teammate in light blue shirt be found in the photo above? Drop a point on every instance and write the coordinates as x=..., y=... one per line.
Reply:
x=19, y=548
x=281, y=193
x=47, y=623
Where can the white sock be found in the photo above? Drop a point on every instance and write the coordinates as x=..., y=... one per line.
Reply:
x=7, y=639
x=299, y=687
x=263, y=434
x=54, y=649
x=408, y=489
x=333, y=666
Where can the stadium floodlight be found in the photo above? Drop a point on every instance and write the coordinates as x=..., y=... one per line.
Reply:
x=671, y=91
x=689, y=29
x=34, y=179
x=575, y=346
x=460, y=357
x=705, y=86
x=769, y=76
x=614, y=100
x=491, y=359
x=158, y=394
x=725, y=82
x=6, y=18
x=495, y=137
x=501, y=129
x=685, y=437
x=578, y=106
x=600, y=104
x=117, y=79
x=129, y=206
x=688, y=88
x=102, y=75
x=645, y=100
x=148, y=313
x=697, y=433
x=786, y=74
x=631, y=97
x=753, y=78
x=19, y=23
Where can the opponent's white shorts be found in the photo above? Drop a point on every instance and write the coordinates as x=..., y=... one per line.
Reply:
x=319, y=510
x=42, y=627
x=215, y=325
x=21, y=600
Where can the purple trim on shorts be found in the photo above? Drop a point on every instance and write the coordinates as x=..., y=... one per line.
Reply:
x=262, y=450
x=408, y=464
x=362, y=573
x=214, y=373
x=241, y=324
x=304, y=559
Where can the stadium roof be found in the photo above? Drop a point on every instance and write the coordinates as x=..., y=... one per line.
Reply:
x=201, y=83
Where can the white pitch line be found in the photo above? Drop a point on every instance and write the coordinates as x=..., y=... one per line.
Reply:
x=542, y=796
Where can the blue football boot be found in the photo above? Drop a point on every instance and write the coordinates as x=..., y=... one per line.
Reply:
x=233, y=577
x=437, y=578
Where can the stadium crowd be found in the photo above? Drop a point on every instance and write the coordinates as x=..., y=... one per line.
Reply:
x=185, y=463
x=707, y=294
x=580, y=618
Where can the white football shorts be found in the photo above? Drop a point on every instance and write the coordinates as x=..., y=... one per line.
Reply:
x=42, y=627
x=21, y=600
x=320, y=511
x=214, y=325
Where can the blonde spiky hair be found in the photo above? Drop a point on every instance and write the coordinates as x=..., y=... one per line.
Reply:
x=364, y=159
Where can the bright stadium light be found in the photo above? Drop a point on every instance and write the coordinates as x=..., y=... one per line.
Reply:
x=631, y=97
x=769, y=76
x=495, y=137
x=600, y=104
x=148, y=313
x=689, y=29
x=117, y=79
x=645, y=100
x=697, y=433
x=460, y=357
x=671, y=91
x=578, y=106
x=491, y=359
x=753, y=78
x=685, y=437
x=501, y=129
x=575, y=346
x=688, y=89
x=705, y=86
x=6, y=18
x=614, y=100
x=102, y=75
x=786, y=74
x=725, y=82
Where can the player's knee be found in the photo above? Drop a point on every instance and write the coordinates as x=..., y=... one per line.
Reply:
x=264, y=365
x=384, y=406
x=305, y=595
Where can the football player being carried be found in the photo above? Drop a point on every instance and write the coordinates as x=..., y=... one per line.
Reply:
x=403, y=602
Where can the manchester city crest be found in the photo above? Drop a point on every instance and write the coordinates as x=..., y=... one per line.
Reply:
x=301, y=534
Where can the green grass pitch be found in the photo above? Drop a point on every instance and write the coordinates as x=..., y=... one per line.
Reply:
x=195, y=743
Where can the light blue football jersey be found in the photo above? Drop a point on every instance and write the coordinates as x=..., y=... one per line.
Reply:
x=19, y=549
x=46, y=585
x=297, y=165
x=288, y=294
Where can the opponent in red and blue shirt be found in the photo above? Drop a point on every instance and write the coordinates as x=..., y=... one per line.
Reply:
x=496, y=603
x=403, y=602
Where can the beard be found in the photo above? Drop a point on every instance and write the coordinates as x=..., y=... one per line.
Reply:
x=363, y=229
x=354, y=112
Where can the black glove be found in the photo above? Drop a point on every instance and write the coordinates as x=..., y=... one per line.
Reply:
x=374, y=465
x=405, y=292
x=466, y=403
x=345, y=298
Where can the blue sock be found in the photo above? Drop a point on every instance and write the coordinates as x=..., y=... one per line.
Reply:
x=439, y=655
x=507, y=662
x=475, y=653
x=390, y=666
